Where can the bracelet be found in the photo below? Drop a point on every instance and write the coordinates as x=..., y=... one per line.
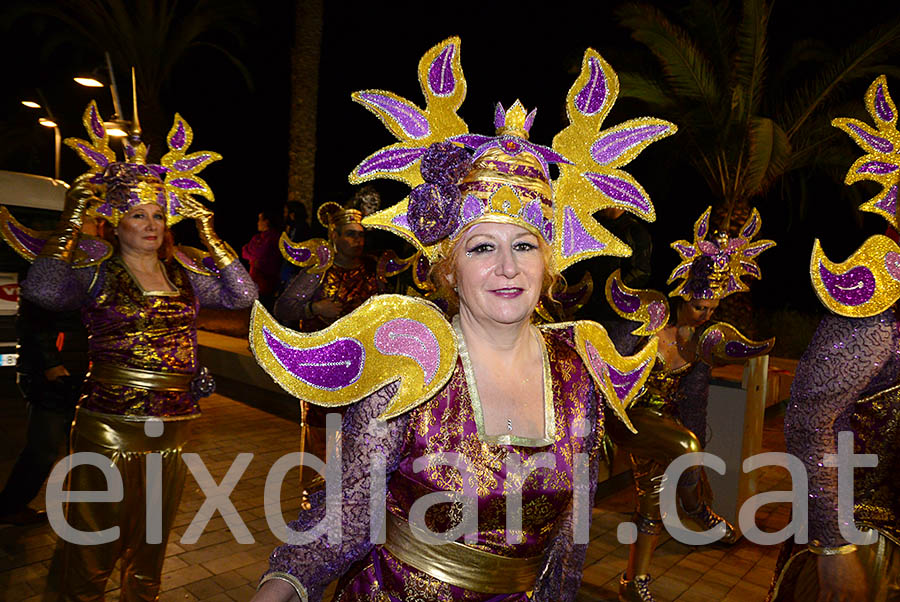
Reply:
x=821, y=550
x=290, y=579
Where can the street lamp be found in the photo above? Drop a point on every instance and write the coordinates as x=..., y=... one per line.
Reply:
x=116, y=126
x=48, y=122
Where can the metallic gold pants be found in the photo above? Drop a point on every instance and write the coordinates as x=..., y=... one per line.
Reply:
x=86, y=568
x=659, y=440
x=799, y=580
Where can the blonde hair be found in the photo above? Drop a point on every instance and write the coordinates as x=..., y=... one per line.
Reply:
x=443, y=271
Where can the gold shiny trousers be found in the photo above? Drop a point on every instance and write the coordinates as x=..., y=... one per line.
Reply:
x=798, y=581
x=85, y=569
x=659, y=440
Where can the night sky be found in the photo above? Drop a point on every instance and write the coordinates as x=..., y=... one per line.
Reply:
x=526, y=50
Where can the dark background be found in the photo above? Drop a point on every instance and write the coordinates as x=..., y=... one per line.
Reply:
x=526, y=50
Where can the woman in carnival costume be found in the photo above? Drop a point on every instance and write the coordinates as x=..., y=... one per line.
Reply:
x=139, y=299
x=670, y=417
x=484, y=413
x=847, y=381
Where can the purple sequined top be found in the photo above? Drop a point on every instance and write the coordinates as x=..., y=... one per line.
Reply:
x=132, y=329
x=447, y=424
x=847, y=359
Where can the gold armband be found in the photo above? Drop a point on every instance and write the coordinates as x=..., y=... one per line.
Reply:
x=221, y=251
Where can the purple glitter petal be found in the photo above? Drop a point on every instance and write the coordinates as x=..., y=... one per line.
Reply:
x=708, y=248
x=657, y=312
x=401, y=220
x=297, y=254
x=178, y=138
x=410, y=119
x=575, y=238
x=104, y=209
x=620, y=190
x=529, y=120
x=189, y=164
x=533, y=215
x=709, y=341
x=159, y=170
x=499, y=116
x=591, y=97
x=704, y=226
x=853, y=288
x=881, y=105
x=754, y=250
x=892, y=264
x=751, y=227
x=129, y=151
x=440, y=72
x=681, y=271
x=882, y=145
x=98, y=158
x=412, y=339
x=32, y=243
x=331, y=366
x=96, y=123
x=610, y=147
x=686, y=251
x=751, y=269
x=624, y=382
x=877, y=167
x=471, y=140
x=547, y=154
x=625, y=302
x=739, y=350
x=323, y=254
x=888, y=203
x=186, y=184
x=390, y=160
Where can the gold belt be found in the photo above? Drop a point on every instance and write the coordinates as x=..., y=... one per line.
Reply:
x=111, y=374
x=461, y=565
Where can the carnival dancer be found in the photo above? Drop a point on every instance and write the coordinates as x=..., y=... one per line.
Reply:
x=848, y=380
x=139, y=303
x=488, y=411
x=670, y=417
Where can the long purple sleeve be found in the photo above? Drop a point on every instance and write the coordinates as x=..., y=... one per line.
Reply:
x=298, y=292
x=232, y=289
x=847, y=359
x=315, y=565
x=55, y=285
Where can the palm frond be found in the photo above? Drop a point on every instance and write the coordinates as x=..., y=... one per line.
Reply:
x=714, y=30
x=768, y=153
x=688, y=72
x=750, y=55
x=647, y=89
x=871, y=48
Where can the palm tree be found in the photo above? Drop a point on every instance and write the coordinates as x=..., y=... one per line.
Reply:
x=745, y=124
x=151, y=36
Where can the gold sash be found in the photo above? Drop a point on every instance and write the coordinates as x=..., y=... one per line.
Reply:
x=111, y=374
x=461, y=565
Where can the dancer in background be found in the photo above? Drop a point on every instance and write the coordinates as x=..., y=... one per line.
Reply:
x=670, y=416
x=139, y=303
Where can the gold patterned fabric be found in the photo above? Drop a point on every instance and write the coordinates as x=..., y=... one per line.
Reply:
x=662, y=387
x=348, y=286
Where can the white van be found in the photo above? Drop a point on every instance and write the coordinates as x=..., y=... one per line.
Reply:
x=36, y=202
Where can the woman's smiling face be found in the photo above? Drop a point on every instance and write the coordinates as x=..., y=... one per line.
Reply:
x=499, y=272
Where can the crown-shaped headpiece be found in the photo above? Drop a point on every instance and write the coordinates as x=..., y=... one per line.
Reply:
x=712, y=269
x=459, y=179
x=122, y=185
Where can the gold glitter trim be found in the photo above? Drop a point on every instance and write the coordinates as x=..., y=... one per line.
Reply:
x=377, y=370
x=549, y=411
x=172, y=293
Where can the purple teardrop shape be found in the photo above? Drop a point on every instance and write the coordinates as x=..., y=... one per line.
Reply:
x=331, y=366
x=440, y=72
x=881, y=105
x=590, y=98
x=852, y=288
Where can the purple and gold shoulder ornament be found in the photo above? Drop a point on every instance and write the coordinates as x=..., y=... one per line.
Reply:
x=868, y=282
x=646, y=306
x=28, y=243
x=315, y=254
x=722, y=343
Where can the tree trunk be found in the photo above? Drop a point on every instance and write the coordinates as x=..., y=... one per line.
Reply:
x=305, y=54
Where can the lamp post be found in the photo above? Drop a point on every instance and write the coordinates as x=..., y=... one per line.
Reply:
x=116, y=126
x=48, y=122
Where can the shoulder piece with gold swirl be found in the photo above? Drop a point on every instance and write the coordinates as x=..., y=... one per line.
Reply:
x=387, y=338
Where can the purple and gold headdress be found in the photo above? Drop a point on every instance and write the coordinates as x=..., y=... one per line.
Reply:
x=713, y=269
x=868, y=282
x=122, y=185
x=459, y=179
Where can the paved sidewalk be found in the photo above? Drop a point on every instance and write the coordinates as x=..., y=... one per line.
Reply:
x=218, y=569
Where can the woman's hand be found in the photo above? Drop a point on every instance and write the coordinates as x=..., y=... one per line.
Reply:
x=841, y=579
x=80, y=193
x=327, y=309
